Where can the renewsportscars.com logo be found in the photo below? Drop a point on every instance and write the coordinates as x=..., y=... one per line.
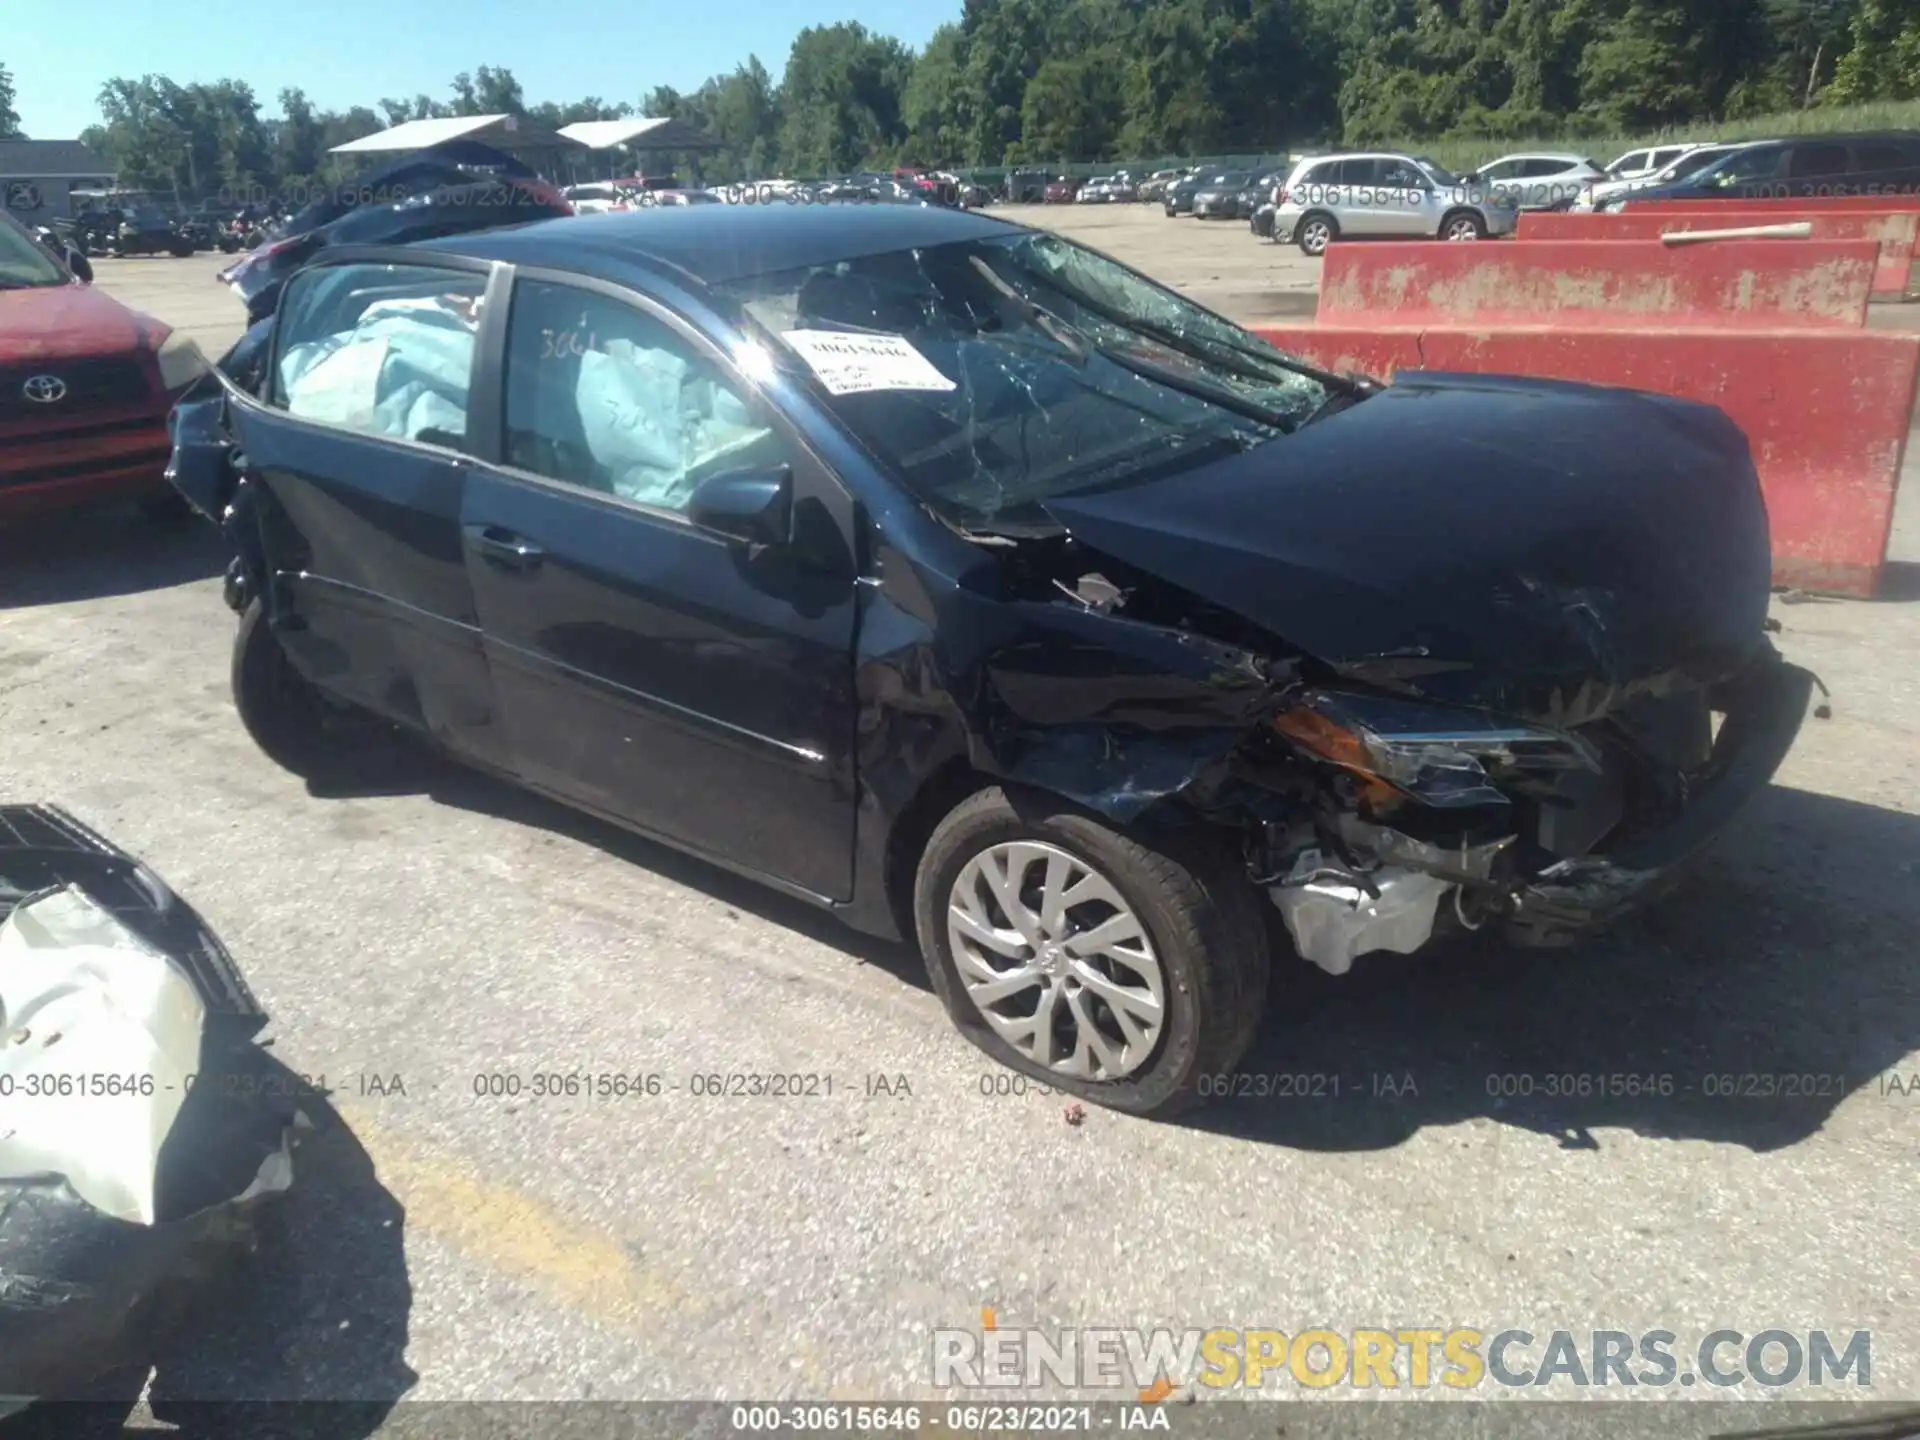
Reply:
x=1154, y=1363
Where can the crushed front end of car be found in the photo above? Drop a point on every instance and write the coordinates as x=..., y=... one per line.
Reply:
x=1485, y=684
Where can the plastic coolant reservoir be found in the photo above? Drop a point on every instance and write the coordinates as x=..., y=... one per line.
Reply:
x=1333, y=922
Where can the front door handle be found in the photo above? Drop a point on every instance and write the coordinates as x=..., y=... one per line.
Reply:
x=503, y=547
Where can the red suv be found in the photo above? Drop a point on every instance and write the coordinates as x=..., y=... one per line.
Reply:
x=85, y=387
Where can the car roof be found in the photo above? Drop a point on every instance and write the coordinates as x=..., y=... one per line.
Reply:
x=720, y=243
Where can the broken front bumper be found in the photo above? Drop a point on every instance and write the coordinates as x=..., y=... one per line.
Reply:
x=1764, y=712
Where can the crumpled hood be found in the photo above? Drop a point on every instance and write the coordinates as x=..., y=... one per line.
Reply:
x=1516, y=542
x=61, y=322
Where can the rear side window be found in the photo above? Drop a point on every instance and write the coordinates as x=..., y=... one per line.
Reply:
x=1869, y=159
x=385, y=350
x=1813, y=161
x=604, y=396
x=1632, y=160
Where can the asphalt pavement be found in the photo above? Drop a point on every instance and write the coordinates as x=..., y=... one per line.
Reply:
x=427, y=941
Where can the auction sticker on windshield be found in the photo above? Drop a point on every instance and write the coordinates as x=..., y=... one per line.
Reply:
x=853, y=362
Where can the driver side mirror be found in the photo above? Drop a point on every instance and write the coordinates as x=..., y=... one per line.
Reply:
x=751, y=505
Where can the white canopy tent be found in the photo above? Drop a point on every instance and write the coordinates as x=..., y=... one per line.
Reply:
x=644, y=135
x=504, y=132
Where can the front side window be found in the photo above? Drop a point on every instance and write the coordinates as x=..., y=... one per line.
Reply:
x=1870, y=159
x=609, y=398
x=383, y=349
x=990, y=375
x=1745, y=166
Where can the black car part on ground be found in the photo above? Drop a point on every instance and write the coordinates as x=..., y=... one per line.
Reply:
x=1217, y=593
x=84, y=1293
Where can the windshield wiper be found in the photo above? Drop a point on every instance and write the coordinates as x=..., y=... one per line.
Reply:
x=1174, y=340
x=1057, y=329
x=1212, y=394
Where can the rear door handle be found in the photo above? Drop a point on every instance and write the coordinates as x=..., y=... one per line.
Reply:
x=503, y=547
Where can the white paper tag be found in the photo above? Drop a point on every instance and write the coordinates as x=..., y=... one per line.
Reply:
x=850, y=362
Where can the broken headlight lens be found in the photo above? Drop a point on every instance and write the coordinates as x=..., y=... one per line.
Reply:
x=1438, y=755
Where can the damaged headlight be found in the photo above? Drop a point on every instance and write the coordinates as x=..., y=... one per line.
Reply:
x=1440, y=756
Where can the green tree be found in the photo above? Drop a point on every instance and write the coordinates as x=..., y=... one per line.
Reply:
x=1883, y=60
x=9, y=117
x=299, y=139
x=1006, y=42
x=1071, y=109
x=933, y=103
x=839, y=101
x=1809, y=36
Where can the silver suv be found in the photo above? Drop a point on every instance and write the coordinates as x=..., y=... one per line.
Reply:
x=1386, y=195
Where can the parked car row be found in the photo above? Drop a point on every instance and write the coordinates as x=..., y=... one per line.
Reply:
x=1387, y=194
x=1373, y=194
x=1885, y=162
x=1863, y=164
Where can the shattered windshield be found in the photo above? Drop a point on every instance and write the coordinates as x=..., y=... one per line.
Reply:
x=992, y=375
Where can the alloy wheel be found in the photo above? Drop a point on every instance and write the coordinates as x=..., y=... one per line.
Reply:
x=1056, y=960
x=1462, y=228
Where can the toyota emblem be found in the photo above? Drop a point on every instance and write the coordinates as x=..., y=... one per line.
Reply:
x=44, y=389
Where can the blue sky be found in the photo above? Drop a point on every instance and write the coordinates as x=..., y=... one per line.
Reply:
x=345, y=52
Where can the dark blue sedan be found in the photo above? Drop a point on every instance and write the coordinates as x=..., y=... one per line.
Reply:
x=955, y=577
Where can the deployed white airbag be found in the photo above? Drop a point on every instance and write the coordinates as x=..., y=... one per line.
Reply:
x=88, y=1012
x=656, y=423
x=402, y=371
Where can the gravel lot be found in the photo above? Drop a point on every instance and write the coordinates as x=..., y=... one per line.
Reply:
x=431, y=927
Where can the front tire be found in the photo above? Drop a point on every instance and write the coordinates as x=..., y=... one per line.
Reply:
x=1316, y=232
x=1463, y=225
x=1124, y=967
